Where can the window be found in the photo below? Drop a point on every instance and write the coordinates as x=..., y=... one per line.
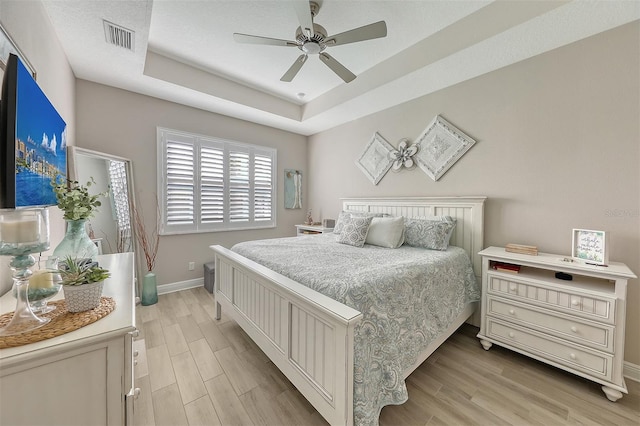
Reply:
x=209, y=184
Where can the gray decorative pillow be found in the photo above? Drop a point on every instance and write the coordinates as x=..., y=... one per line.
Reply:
x=354, y=232
x=342, y=217
x=429, y=233
x=345, y=214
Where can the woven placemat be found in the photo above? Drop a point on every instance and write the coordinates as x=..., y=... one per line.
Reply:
x=62, y=321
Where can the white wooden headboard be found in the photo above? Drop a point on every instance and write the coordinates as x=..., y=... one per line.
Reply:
x=469, y=212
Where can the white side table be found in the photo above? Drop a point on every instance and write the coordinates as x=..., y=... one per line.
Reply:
x=312, y=230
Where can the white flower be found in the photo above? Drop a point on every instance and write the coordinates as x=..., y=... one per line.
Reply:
x=402, y=156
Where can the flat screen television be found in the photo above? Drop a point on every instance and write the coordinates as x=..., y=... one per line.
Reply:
x=33, y=148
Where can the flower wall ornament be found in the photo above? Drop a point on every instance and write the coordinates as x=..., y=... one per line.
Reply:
x=402, y=157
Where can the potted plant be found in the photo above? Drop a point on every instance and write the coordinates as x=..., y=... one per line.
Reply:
x=78, y=205
x=82, y=281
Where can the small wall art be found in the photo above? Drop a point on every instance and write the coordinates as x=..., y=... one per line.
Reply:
x=440, y=146
x=590, y=246
x=375, y=161
x=292, y=189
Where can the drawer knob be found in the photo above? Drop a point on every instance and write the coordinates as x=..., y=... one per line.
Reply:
x=572, y=356
x=574, y=329
x=135, y=362
x=512, y=312
x=135, y=353
x=136, y=393
x=512, y=334
x=575, y=302
x=513, y=288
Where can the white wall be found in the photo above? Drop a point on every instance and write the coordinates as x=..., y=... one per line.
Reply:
x=29, y=26
x=123, y=123
x=558, y=147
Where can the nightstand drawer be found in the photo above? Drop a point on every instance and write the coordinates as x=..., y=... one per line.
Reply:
x=581, y=359
x=573, y=301
x=592, y=334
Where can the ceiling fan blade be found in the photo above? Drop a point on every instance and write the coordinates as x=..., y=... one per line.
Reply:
x=303, y=10
x=337, y=67
x=293, y=70
x=368, y=32
x=252, y=39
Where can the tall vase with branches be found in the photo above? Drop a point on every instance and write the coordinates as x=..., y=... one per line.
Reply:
x=148, y=242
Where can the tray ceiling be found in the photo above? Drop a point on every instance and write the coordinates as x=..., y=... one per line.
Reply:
x=184, y=51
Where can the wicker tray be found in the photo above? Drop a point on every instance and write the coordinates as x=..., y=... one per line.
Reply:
x=62, y=321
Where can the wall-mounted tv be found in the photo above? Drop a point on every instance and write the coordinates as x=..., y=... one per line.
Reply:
x=33, y=146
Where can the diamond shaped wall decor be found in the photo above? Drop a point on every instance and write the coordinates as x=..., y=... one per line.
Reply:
x=440, y=146
x=375, y=160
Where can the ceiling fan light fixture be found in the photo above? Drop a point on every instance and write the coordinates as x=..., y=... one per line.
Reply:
x=312, y=39
x=311, y=48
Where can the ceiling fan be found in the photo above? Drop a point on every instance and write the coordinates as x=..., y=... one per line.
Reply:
x=312, y=39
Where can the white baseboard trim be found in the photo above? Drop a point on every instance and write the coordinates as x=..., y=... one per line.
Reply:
x=180, y=285
x=631, y=371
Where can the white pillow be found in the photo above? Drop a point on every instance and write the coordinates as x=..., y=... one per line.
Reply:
x=386, y=232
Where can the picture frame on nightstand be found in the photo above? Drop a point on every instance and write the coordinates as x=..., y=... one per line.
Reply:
x=589, y=246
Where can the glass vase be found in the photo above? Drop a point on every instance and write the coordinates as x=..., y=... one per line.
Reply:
x=76, y=242
x=23, y=232
x=149, y=290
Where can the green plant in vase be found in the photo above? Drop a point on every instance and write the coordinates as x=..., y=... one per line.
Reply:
x=78, y=205
x=82, y=281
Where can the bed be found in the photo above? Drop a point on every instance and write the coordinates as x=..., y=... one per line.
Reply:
x=320, y=342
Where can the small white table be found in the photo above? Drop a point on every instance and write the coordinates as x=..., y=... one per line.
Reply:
x=312, y=230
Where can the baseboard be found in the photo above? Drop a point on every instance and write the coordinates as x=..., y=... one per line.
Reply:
x=631, y=371
x=180, y=285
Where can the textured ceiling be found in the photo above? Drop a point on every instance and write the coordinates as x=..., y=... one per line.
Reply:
x=184, y=50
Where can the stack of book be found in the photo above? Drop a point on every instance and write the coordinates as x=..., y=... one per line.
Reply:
x=506, y=267
x=522, y=249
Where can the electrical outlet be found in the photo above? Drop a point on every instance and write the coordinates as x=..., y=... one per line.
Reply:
x=192, y=266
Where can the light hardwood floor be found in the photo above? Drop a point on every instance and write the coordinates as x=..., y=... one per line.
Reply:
x=194, y=370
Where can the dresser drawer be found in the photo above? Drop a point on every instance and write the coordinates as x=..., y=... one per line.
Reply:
x=546, y=347
x=588, y=333
x=572, y=301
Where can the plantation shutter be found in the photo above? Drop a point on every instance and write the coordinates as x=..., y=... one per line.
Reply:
x=209, y=184
x=239, y=187
x=263, y=187
x=180, y=193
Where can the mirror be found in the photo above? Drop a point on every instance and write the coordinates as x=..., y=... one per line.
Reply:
x=111, y=228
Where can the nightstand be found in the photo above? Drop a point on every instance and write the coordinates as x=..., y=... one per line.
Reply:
x=312, y=229
x=577, y=325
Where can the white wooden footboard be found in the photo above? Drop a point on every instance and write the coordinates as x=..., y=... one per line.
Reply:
x=307, y=335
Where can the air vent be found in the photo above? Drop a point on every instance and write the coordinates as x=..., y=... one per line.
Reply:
x=118, y=36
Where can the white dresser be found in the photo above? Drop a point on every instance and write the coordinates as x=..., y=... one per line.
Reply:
x=576, y=325
x=84, y=377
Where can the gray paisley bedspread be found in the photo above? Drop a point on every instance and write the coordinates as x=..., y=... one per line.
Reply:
x=407, y=296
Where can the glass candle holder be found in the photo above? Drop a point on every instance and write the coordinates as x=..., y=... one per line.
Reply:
x=23, y=232
x=44, y=283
